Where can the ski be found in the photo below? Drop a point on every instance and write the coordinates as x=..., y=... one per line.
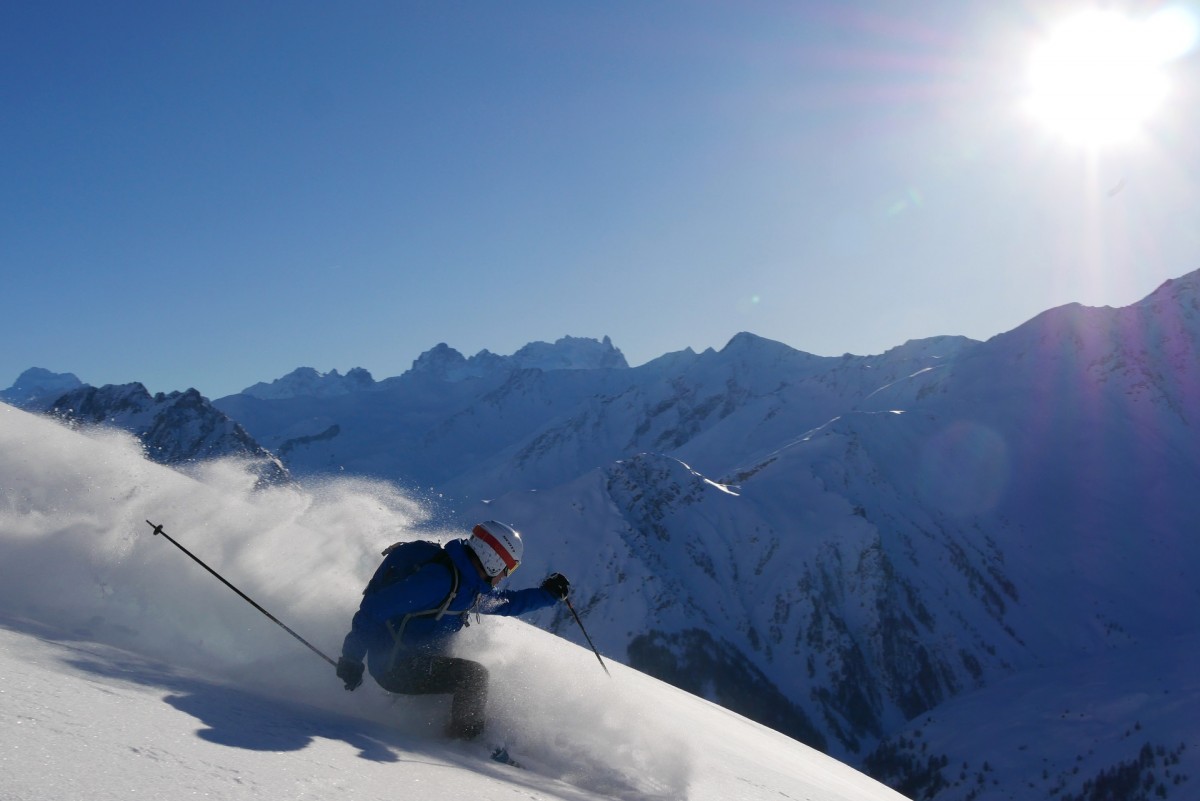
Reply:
x=500, y=754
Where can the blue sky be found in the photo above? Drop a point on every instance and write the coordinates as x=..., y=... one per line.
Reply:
x=212, y=194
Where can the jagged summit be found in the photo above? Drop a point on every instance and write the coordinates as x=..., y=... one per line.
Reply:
x=567, y=353
x=307, y=382
x=445, y=363
x=571, y=353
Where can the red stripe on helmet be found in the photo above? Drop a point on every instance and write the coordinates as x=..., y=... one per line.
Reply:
x=485, y=535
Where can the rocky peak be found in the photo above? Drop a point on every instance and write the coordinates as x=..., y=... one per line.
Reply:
x=38, y=388
x=571, y=353
x=308, y=382
x=567, y=353
x=174, y=428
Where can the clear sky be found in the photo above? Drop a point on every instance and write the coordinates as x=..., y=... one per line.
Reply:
x=212, y=194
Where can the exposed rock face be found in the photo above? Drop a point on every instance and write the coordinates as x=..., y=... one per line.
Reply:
x=174, y=428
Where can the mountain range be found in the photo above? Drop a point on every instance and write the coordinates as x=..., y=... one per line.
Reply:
x=845, y=548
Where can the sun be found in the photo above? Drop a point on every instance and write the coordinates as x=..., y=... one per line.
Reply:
x=1099, y=77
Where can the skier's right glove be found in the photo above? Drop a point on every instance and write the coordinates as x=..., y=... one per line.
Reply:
x=350, y=672
x=557, y=585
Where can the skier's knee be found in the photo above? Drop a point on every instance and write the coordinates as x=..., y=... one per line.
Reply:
x=475, y=675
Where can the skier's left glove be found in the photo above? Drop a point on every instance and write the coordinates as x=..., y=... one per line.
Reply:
x=557, y=585
x=350, y=672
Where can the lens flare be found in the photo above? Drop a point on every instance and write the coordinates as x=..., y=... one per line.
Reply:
x=1099, y=77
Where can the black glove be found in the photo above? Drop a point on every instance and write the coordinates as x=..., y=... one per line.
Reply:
x=557, y=585
x=350, y=672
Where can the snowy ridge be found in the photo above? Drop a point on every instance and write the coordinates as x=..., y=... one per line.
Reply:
x=1121, y=725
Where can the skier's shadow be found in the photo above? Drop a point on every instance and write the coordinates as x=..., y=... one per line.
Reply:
x=242, y=720
x=231, y=717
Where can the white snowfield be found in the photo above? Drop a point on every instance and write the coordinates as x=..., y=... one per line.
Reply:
x=129, y=672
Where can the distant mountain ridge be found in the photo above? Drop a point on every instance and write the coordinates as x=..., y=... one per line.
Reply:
x=305, y=381
x=443, y=362
x=566, y=353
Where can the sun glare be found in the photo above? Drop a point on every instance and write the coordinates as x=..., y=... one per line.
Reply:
x=1100, y=76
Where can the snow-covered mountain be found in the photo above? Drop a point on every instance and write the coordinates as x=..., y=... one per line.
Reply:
x=131, y=673
x=1026, y=504
x=177, y=428
x=859, y=539
x=37, y=388
x=844, y=547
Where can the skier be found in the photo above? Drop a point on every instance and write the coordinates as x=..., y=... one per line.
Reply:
x=419, y=598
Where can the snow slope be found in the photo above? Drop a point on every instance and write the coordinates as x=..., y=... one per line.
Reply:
x=130, y=672
x=1119, y=726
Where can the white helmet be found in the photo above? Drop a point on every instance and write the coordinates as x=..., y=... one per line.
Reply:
x=498, y=546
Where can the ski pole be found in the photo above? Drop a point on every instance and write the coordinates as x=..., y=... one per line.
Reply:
x=585, y=635
x=158, y=529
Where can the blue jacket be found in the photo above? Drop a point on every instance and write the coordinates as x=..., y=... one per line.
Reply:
x=388, y=624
